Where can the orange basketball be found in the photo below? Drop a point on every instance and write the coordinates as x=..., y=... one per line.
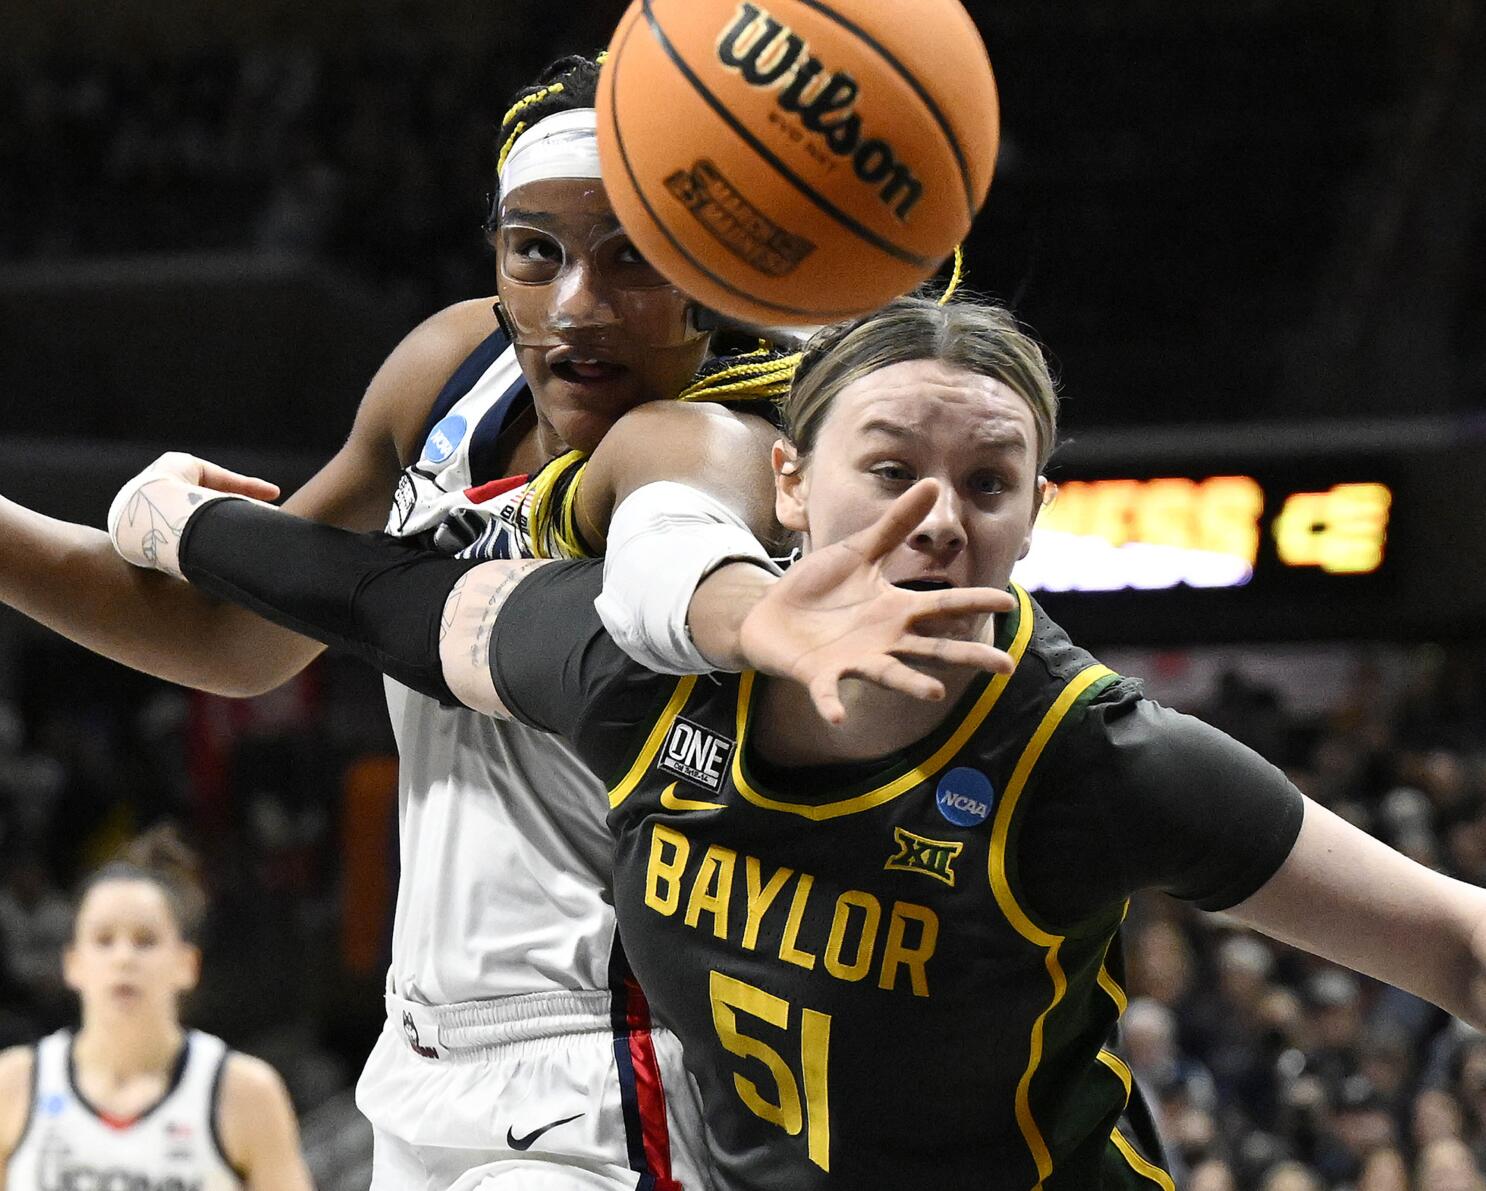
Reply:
x=797, y=161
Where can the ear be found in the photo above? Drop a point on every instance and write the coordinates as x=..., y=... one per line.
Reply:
x=1047, y=492
x=69, y=967
x=791, y=486
x=188, y=968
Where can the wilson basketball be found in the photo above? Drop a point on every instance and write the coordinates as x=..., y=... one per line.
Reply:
x=797, y=161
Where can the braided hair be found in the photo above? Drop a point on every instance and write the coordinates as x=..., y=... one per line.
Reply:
x=565, y=85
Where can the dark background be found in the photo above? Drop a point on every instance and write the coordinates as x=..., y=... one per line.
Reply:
x=1219, y=213
x=1252, y=234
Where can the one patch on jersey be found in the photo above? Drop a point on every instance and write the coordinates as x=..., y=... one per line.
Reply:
x=403, y=503
x=697, y=754
x=965, y=797
x=53, y=1104
x=445, y=438
x=920, y=854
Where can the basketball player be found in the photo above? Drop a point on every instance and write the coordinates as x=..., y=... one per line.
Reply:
x=883, y=916
x=133, y=1099
x=503, y=942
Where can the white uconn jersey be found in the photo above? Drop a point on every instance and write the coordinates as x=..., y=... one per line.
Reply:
x=70, y=1146
x=505, y=857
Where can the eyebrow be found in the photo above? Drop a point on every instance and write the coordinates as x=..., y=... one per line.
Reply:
x=548, y=220
x=1003, y=437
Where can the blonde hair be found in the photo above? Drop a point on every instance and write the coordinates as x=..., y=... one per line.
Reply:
x=964, y=333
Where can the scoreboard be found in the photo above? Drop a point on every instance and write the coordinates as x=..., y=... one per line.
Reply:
x=1294, y=540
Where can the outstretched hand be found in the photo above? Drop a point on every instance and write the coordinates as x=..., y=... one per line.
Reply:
x=834, y=616
x=149, y=513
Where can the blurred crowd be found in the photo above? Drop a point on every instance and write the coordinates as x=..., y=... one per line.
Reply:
x=375, y=157
x=1274, y=1071
x=1267, y=1070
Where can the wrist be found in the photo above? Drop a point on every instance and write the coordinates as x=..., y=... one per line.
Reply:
x=719, y=612
x=148, y=517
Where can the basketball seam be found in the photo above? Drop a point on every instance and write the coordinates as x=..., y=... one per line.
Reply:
x=860, y=230
x=918, y=89
x=827, y=316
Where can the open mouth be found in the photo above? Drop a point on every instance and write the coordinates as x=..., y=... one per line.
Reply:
x=923, y=584
x=587, y=372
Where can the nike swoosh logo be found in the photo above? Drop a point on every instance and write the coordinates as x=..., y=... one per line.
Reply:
x=669, y=800
x=525, y=1143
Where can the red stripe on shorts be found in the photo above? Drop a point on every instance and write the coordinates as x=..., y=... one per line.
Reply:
x=650, y=1092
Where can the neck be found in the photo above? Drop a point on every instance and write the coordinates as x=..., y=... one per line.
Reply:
x=878, y=722
x=117, y=1052
x=527, y=446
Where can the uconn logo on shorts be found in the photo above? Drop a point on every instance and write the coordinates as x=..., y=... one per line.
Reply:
x=698, y=754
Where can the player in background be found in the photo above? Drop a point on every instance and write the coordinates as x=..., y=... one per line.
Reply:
x=134, y=1098
x=503, y=937
x=883, y=915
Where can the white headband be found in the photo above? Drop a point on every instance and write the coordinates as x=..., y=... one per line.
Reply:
x=564, y=145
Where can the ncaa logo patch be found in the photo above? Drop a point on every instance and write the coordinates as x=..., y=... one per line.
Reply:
x=965, y=797
x=444, y=438
x=698, y=754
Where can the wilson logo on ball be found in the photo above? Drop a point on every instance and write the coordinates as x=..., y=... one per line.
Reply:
x=768, y=54
x=738, y=224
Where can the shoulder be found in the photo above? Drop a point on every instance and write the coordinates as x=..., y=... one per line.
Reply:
x=16, y=1067
x=255, y=1124
x=405, y=387
x=249, y=1085
x=687, y=420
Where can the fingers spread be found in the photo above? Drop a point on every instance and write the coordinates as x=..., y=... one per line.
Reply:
x=903, y=516
x=974, y=654
x=890, y=673
x=961, y=601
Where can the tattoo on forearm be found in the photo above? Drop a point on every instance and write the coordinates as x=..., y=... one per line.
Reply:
x=513, y=573
x=148, y=524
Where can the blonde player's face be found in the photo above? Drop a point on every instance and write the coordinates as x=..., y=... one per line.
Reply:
x=127, y=955
x=598, y=330
x=912, y=421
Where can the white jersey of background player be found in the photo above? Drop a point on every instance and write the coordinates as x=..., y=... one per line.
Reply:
x=69, y=1142
x=133, y=1100
x=596, y=332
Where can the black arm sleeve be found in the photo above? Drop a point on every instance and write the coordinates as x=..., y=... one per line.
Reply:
x=375, y=596
x=1143, y=797
x=556, y=668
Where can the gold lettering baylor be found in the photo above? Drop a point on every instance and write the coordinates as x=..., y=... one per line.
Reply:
x=729, y=896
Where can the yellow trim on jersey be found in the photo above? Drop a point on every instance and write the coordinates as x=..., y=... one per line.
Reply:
x=1140, y=1165
x=630, y=780
x=1107, y=982
x=915, y=776
x=1122, y=1072
x=1023, y=925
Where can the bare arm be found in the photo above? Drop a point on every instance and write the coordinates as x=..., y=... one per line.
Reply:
x=258, y=1129
x=708, y=447
x=15, y=1100
x=1351, y=899
x=69, y=578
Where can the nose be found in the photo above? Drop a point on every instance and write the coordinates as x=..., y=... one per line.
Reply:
x=942, y=533
x=582, y=300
